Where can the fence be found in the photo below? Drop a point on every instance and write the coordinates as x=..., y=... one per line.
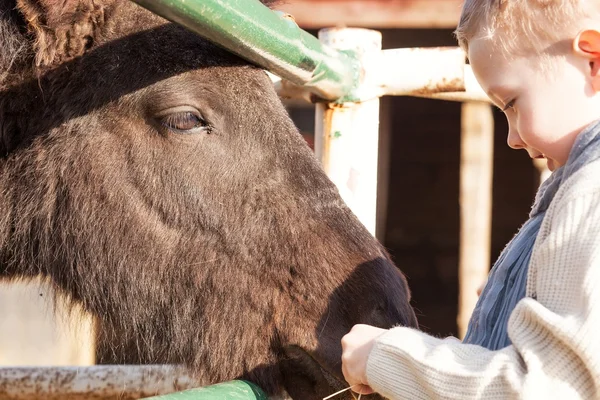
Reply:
x=348, y=72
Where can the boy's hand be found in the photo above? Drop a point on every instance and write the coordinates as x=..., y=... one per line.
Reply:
x=356, y=347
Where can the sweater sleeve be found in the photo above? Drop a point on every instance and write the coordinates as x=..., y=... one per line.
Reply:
x=556, y=350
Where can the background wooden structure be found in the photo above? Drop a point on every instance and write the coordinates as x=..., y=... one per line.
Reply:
x=427, y=14
x=419, y=213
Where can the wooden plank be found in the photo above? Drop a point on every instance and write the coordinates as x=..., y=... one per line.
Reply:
x=383, y=166
x=541, y=165
x=476, y=171
x=347, y=135
x=314, y=14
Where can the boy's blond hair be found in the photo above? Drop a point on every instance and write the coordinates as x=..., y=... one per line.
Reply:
x=524, y=25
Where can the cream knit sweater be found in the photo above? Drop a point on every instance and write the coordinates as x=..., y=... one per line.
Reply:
x=555, y=329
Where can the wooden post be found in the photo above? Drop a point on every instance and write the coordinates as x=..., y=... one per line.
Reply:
x=541, y=165
x=383, y=169
x=347, y=135
x=476, y=170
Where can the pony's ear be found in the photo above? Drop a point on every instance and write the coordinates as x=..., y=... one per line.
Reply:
x=62, y=29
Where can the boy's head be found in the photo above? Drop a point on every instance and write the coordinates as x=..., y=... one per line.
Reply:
x=539, y=61
x=519, y=26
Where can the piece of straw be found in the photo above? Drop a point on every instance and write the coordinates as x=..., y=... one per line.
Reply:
x=342, y=391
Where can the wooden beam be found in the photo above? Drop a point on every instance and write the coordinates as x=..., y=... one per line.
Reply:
x=476, y=173
x=315, y=14
x=347, y=135
x=541, y=165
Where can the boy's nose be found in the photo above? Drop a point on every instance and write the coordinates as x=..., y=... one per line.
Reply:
x=514, y=139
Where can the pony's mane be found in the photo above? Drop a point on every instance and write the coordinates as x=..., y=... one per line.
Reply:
x=15, y=48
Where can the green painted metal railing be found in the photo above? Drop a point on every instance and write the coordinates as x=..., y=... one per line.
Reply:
x=233, y=390
x=268, y=39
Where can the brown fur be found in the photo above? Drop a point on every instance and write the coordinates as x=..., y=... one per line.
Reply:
x=226, y=249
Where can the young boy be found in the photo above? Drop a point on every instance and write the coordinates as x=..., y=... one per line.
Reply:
x=534, y=332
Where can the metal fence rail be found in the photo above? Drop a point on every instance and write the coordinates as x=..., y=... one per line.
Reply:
x=274, y=42
x=95, y=382
x=346, y=74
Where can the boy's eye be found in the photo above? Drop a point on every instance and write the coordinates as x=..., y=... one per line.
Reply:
x=509, y=105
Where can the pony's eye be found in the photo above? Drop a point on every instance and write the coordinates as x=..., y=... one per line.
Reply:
x=184, y=122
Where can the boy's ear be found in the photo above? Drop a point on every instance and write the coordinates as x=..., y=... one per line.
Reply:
x=587, y=45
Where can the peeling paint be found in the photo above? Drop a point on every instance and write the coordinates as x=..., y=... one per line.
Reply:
x=92, y=383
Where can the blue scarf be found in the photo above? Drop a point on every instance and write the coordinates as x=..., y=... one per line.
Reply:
x=507, y=280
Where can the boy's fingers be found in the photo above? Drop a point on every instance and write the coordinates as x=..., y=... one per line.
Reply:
x=356, y=387
x=362, y=389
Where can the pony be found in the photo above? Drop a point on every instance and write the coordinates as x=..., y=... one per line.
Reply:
x=157, y=181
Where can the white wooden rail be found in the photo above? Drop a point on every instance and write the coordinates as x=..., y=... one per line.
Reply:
x=94, y=382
